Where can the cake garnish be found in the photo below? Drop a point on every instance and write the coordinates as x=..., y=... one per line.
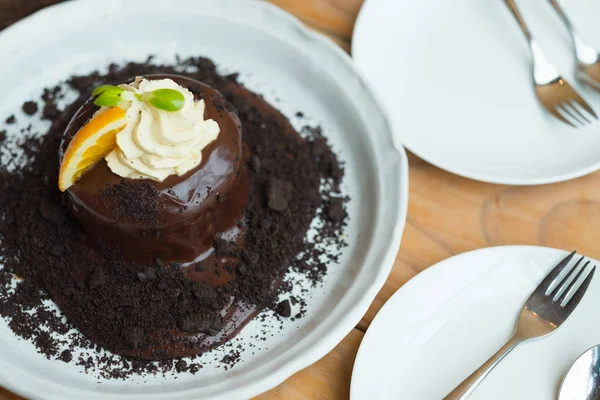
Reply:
x=149, y=129
x=164, y=99
x=92, y=143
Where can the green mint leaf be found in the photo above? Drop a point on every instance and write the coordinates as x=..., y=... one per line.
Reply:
x=108, y=100
x=166, y=99
x=106, y=89
x=108, y=96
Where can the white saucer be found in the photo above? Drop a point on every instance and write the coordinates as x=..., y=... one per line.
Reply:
x=456, y=79
x=282, y=59
x=443, y=324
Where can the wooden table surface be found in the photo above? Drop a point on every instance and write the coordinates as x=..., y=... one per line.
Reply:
x=447, y=214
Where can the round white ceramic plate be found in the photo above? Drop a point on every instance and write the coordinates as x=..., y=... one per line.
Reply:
x=456, y=79
x=279, y=57
x=443, y=324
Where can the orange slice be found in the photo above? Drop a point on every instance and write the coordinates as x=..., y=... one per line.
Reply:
x=93, y=142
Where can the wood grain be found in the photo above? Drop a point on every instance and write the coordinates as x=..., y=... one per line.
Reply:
x=335, y=17
x=447, y=215
x=6, y=395
x=13, y=10
x=328, y=379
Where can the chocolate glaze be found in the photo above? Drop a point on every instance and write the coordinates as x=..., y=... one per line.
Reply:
x=192, y=209
x=216, y=271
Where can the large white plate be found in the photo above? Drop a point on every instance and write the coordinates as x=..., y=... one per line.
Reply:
x=279, y=57
x=456, y=78
x=443, y=324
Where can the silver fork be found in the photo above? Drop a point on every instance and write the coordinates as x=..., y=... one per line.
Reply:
x=552, y=302
x=553, y=91
x=588, y=59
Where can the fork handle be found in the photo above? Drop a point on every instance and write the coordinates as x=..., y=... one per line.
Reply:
x=543, y=70
x=468, y=385
x=585, y=53
x=517, y=14
x=561, y=13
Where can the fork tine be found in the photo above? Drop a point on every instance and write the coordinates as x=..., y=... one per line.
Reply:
x=582, y=117
x=564, y=107
x=561, y=276
x=579, y=288
x=570, y=279
x=548, y=280
x=558, y=115
x=579, y=100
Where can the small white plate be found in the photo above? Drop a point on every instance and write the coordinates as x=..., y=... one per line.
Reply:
x=443, y=324
x=456, y=79
x=282, y=59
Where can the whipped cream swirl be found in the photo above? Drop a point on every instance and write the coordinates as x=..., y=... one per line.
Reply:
x=156, y=143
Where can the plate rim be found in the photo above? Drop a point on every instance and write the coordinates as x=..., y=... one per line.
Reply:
x=357, y=47
x=323, y=342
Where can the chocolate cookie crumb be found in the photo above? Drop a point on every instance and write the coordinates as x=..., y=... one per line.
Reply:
x=11, y=120
x=199, y=323
x=151, y=273
x=224, y=248
x=284, y=309
x=197, y=92
x=328, y=162
x=335, y=210
x=58, y=249
x=50, y=111
x=194, y=368
x=52, y=212
x=97, y=279
x=133, y=337
x=279, y=194
x=30, y=107
x=132, y=199
x=251, y=257
x=66, y=356
x=181, y=366
x=205, y=294
x=148, y=275
x=231, y=359
x=242, y=269
x=255, y=164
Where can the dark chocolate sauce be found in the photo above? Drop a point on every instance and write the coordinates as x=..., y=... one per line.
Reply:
x=192, y=209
